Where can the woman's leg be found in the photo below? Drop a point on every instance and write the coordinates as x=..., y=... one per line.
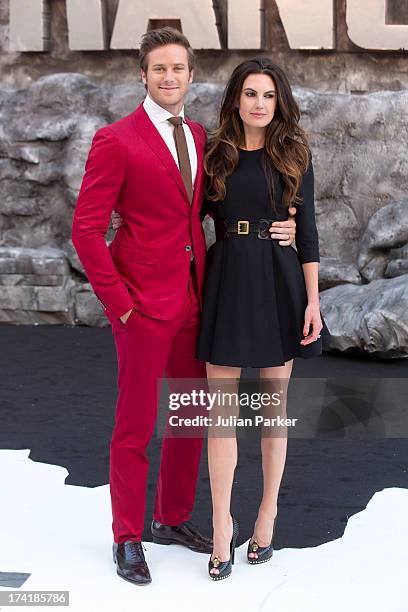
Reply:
x=222, y=458
x=273, y=445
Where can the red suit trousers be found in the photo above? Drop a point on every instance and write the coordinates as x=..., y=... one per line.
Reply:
x=146, y=348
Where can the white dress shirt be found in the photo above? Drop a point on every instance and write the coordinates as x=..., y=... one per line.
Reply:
x=158, y=116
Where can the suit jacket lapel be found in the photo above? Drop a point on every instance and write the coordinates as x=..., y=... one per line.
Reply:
x=153, y=139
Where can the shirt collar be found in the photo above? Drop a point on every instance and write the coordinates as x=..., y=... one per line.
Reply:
x=157, y=114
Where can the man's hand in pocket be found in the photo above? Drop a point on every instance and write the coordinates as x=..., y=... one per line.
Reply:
x=125, y=316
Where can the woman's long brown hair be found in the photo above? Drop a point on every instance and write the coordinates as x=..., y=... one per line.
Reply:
x=286, y=143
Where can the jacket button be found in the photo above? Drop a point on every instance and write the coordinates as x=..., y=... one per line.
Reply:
x=187, y=247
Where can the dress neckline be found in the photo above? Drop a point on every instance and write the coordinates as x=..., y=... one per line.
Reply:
x=251, y=150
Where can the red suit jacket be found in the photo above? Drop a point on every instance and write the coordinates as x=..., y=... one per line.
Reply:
x=130, y=169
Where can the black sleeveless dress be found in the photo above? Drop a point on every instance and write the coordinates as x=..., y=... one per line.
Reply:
x=254, y=290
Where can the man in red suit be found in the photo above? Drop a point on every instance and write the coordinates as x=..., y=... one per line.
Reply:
x=149, y=168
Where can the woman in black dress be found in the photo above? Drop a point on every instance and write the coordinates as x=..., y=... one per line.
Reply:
x=261, y=301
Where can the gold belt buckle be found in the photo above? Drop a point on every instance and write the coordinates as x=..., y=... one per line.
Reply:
x=246, y=226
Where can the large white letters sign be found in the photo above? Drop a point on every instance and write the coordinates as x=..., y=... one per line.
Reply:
x=85, y=25
x=196, y=16
x=244, y=24
x=28, y=25
x=367, y=27
x=308, y=24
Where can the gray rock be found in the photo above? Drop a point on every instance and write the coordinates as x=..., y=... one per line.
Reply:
x=396, y=267
x=36, y=317
x=398, y=262
x=372, y=318
x=38, y=304
x=53, y=104
x=33, y=153
x=203, y=103
x=375, y=266
x=333, y=272
x=40, y=129
x=88, y=310
x=17, y=197
x=16, y=280
x=44, y=173
x=359, y=149
x=67, y=93
x=77, y=149
x=338, y=229
x=44, y=261
x=124, y=99
x=71, y=197
x=50, y=299
x=387, y=229
x=399, y=252
x=35, y=286
x=33, y=215
x=39, y=163
x=73, y=258
x=8, y=170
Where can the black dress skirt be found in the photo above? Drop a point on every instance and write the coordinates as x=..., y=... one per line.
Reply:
x=254, y=290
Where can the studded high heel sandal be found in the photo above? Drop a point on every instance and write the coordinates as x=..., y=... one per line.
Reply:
x=264, y=553
x=225, y=567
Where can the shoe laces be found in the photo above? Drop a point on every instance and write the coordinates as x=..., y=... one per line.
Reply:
x=134, y=551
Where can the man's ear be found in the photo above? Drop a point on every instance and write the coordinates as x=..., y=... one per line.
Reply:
x=190, y=78
x=143, y=76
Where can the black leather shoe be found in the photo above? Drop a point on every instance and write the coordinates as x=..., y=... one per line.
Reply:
x=185, y=534
x=130, y=562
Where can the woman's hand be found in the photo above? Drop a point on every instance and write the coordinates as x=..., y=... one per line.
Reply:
x=116, y=219
x=312, y=318
x=285, y=231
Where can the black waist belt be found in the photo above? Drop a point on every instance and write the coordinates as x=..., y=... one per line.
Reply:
x=243, y=227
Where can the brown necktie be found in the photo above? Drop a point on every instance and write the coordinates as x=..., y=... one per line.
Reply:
x=182, y=154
